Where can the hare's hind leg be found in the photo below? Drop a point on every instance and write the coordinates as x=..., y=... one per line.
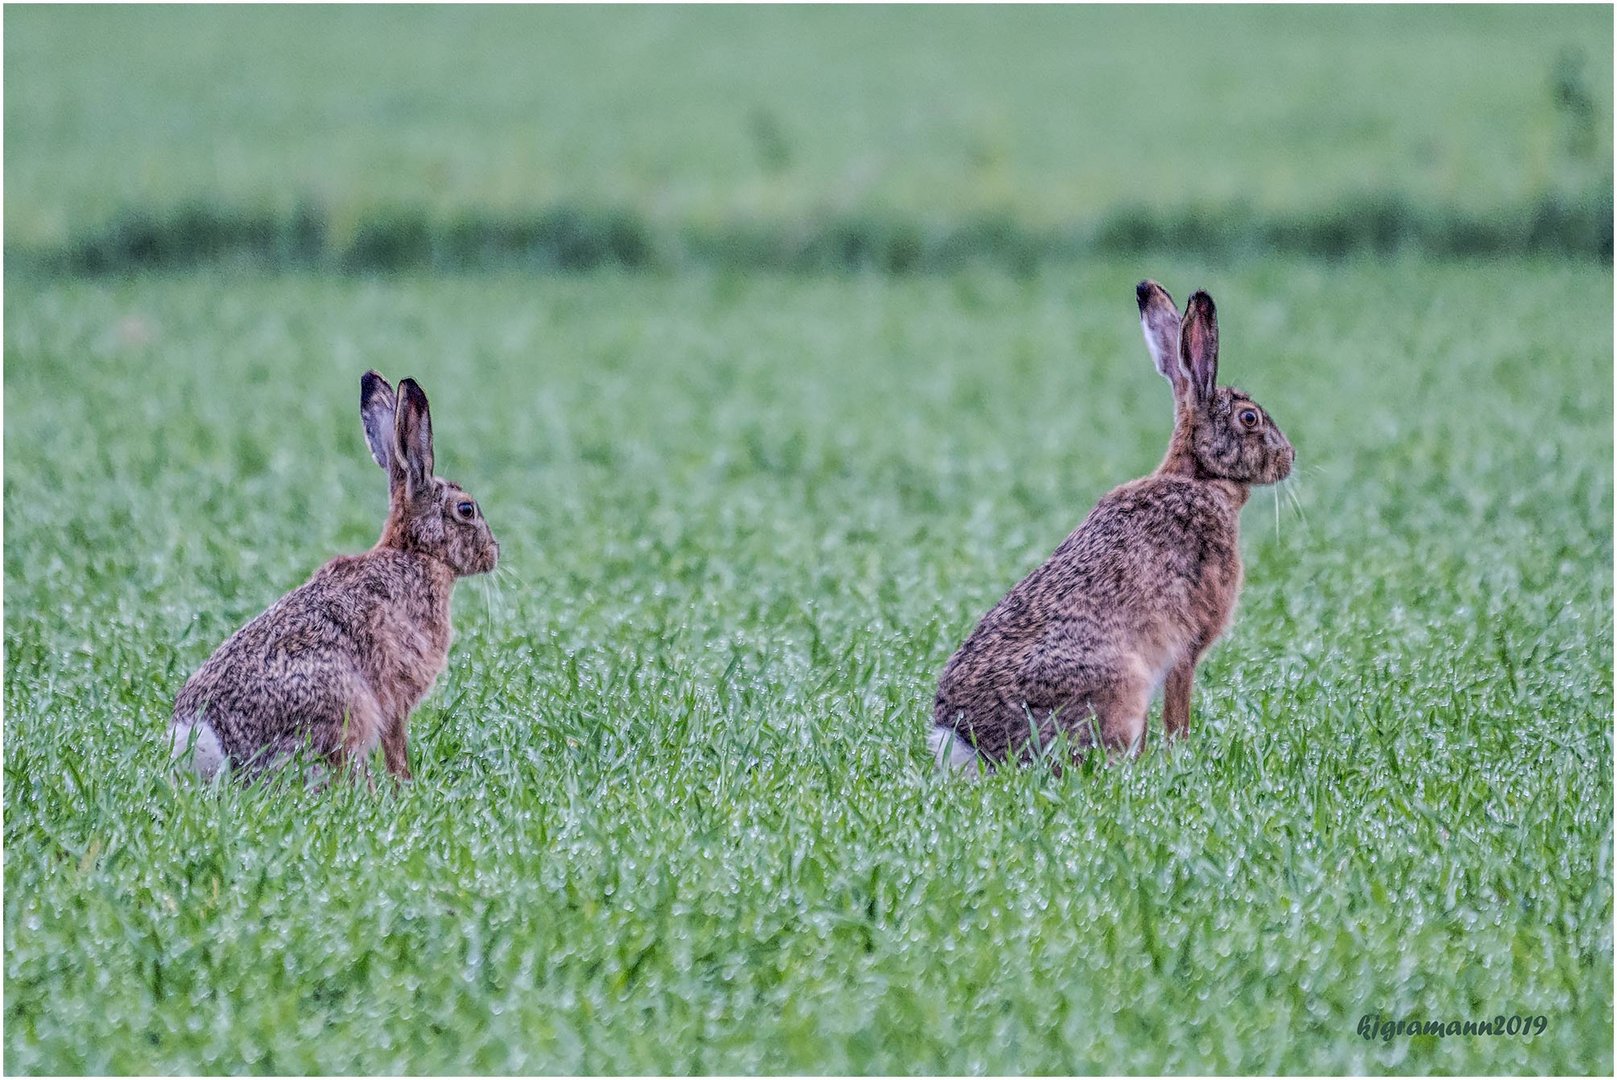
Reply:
x=360, y=729
x=1120, y=709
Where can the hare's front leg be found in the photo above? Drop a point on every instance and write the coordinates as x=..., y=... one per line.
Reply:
x=1176, y=691
x=394, y=750
x=1176, y=700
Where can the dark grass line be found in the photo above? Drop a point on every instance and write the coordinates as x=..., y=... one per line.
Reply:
x=568, y=238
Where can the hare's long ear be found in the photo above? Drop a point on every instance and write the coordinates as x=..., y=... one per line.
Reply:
x=376, y=413
x=1159, y=319
x=1198, y=344
x=412, y=440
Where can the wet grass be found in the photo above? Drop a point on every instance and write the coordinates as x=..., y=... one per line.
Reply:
x=673, y=810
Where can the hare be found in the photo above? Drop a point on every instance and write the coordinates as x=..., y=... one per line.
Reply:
x=1132, y=599
x=336, y=665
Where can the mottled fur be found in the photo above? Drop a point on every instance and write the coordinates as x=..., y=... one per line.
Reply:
x=1131, y=600
x=336, y=665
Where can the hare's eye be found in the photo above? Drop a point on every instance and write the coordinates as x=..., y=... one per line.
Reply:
x=1249, y=417
x=466, y=509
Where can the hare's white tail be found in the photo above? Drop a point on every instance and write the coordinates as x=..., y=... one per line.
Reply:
x=952, y=753
x=199, y=741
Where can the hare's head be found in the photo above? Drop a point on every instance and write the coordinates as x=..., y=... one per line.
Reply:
x=426, y=514
x=1219, y=431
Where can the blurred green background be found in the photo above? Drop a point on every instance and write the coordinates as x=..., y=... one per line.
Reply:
x=691, y=117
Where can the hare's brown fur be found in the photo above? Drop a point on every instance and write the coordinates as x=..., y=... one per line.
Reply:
x=1132, y=599
x=336, y=665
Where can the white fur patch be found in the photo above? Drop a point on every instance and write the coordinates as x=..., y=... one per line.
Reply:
x=198, y=740
x=952, y=753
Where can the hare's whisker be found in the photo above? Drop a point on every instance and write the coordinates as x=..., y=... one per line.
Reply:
x=501, y=577
x=1297, y=505
x=498, y=585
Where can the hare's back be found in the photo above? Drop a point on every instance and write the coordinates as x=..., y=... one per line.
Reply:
x=290, y=673
x=1148, y=538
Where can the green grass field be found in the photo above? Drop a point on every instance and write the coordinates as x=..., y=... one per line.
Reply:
x=673, y=808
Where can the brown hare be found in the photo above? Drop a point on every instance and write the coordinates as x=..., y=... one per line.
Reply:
x=1133, y=598
x=336, y=665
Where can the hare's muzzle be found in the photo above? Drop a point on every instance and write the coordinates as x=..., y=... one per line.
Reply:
x=1283, y=463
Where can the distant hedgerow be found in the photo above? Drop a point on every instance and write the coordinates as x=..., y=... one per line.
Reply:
x=569, y=237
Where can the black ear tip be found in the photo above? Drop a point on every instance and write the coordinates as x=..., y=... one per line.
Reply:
x=374, y=388
x=1202, y=298
x=1149, y=293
